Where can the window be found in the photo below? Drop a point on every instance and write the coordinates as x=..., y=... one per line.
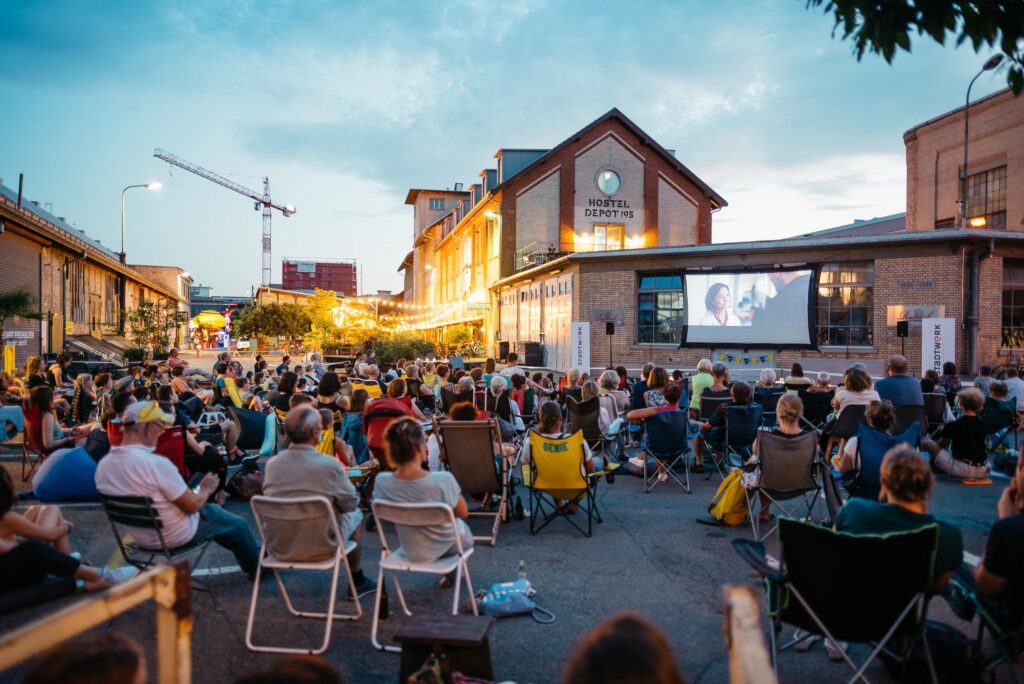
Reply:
x=986, y=193
x=605, y=237
x=660, y=308
x=436, y=204
x=1013, y=303
x=493, y=237
x=608, y=182
x=845, y=307
x=76, y=291
x=111, y=304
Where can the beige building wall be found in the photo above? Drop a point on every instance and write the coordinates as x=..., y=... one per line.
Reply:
x=626, y=207
x=935, y=155
x=677, y=216
x=537, y=212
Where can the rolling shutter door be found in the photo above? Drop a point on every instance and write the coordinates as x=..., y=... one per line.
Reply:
x=20, y=269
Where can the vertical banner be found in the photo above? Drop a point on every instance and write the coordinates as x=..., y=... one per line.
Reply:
x=581, y=346
x=938, y=343
x=8, y=359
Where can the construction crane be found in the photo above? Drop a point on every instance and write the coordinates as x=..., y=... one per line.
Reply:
x=260, y=200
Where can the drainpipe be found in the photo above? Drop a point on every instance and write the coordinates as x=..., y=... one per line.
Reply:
x=974, y=305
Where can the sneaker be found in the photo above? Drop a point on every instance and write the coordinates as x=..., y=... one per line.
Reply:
x=804, y=640
x=364, y=588
x=835, y=653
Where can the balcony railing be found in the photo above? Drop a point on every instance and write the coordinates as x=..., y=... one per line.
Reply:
x=538, y=253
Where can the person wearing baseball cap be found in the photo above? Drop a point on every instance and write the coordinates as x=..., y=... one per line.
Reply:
x=132, y=469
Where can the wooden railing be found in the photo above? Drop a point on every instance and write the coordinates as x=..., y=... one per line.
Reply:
x=165, y=585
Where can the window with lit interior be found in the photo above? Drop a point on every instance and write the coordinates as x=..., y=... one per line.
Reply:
x=1013, y=303
x=986, y=193
x=845, y=307
x=660, y=308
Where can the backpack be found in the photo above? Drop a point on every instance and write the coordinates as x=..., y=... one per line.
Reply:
x=729, y=506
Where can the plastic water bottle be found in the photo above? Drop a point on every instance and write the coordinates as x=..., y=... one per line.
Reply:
x=522, y=570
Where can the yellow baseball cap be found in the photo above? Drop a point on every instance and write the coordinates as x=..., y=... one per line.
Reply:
x=146, y=412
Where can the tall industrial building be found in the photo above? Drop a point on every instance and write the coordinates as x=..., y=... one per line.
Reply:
x=306, y=275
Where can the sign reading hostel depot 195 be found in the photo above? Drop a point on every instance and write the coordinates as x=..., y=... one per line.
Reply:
x=608, y=209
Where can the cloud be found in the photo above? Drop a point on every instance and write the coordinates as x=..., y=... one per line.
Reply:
x=769, y=202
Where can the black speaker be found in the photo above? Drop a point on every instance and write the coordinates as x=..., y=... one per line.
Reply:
x=609, y=328
x=902, y=329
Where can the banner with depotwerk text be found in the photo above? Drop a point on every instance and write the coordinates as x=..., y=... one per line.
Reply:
x=581, y=346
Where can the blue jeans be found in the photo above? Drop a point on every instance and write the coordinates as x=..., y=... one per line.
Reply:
x=231, y=532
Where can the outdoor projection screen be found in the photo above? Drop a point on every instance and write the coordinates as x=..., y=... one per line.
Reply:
x=750, y=308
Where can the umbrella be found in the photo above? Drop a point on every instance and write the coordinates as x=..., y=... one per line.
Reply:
x=209, y=319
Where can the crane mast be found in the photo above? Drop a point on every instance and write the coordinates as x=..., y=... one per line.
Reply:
x=261, y=200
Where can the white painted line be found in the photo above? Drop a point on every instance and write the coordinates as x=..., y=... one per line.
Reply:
x=971, y=559
x=81, y=504
x=224, y=570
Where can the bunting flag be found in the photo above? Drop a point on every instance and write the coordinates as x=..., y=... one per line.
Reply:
x=746, y=360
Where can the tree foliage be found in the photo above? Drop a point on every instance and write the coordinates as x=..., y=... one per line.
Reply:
x=271, y=320
x=320, y=309
x=391, y=348
x=17, y=302
x=151, y=323
x=883, y=27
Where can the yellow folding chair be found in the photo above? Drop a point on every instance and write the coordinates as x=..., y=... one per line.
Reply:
x=232, y=391
x=372, y=388
x=557, y=482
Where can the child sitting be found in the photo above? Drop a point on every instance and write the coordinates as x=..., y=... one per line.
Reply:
x=331, y=444
x=880, y=415
x=966, y=436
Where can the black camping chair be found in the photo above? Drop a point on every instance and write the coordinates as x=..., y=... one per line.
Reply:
x=934, y=412
x=789, y=474
x=742, y=423
x=844, y=428
x=1007, y=638
x=886, y=581
x=586, y=416
x=709, y=405
x=817, y=406
x=908, y=414
x=769, y=402
x=449, y=398
x=665, y=442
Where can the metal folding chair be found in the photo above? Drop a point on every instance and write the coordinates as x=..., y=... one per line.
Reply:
x=395, y=561
x=312, y=519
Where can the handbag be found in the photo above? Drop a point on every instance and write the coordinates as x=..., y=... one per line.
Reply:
x=729, y=506
x=509, y=599
x=246, y=483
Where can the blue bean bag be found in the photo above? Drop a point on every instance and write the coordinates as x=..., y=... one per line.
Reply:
x=67, y=475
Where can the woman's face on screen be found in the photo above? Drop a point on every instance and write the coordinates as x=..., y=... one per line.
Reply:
x=723, y=300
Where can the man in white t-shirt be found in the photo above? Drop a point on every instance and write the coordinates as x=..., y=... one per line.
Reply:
x=132, y=469
x=512, y=367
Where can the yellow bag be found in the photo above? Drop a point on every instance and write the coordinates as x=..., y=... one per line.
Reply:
x=729, y=506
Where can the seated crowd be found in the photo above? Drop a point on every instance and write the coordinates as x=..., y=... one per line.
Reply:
x=328, y=420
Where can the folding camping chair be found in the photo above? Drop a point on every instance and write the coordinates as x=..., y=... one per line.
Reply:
x=312, y=519
x=1008, y=640
x=789, y=468
x=585, y=416
x=556, y=482
x=32, y=452
x=372, y=388
x=467, y=451
x=817, y=406
x=1000, y=418
x=865, y=481
x=171, y=445
x=885, y=580
x=742, y=424
x=138, y=512
x=907, y=414
x=769, y=402
x=665, y=441
x=395, y=561
x=709, y=405
x=934, y=412
x=845, y=427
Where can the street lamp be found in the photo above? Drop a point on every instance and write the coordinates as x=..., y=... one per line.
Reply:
x=989, y=65
x=156, y=185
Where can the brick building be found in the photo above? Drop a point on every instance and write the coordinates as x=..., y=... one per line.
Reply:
x=306, y=275
x=80, y=286
x=607, y=188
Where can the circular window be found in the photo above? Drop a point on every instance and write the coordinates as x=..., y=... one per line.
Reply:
x=608, y=182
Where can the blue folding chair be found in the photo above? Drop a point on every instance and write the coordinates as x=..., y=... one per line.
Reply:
x=742, y=422
x=865, y=482
x=666, y=443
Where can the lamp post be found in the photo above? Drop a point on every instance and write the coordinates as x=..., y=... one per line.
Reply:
x=148, y=186
x=989, y=65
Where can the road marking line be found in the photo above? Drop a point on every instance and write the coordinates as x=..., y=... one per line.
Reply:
x=223, y=570
x=971, y=559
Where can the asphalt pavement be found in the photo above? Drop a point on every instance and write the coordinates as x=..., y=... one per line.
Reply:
x=649, y=556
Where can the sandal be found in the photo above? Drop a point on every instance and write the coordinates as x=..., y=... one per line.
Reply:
x=698, y=469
